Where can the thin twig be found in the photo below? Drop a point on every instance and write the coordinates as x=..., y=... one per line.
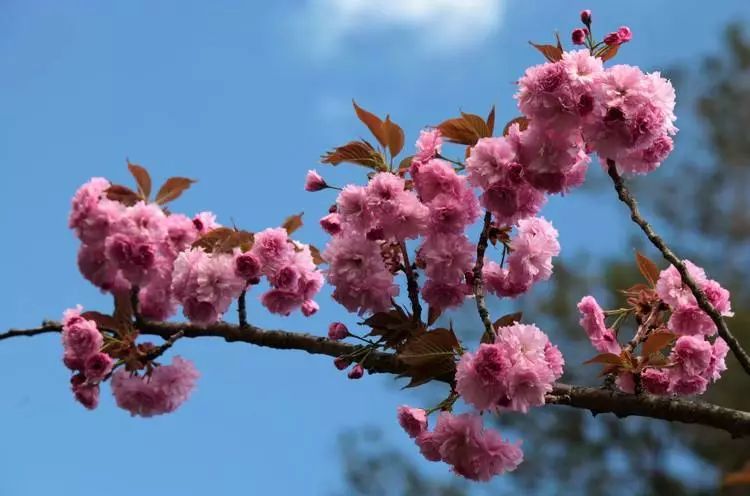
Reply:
x=411, y=284
x=627, y=198
x=735, y=422
x=484, y=314
x=242, y=309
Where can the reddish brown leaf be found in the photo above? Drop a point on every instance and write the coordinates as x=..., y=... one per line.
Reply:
x=507, y=320
x=393, y=327
x=648, y=268
x=292, y=223
x=102, y=321
x=404, y=165
x=123, y=194
x=606, y=358
x=433, y=314
x=373, y=123
x=431, y=348
x=491, y=120
x=522, y=122
x=550, y=52
x=608, y=52
x=172, y=189
x=656, y=342
x=142, y=179
x=395, y=136
x=356, y=152
x=225, y=240
x=464, y=130
x=316, y=256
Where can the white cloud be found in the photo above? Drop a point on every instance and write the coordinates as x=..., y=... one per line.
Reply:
x=452, y=25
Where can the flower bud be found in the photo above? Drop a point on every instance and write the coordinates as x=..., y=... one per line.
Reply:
x=578, y=36
x=314, y=181
x=309, y=307
x=331, y=223
x=612, y=39
x=337, y=331
x=341, y=362
x=356, y=372
x=586, y=17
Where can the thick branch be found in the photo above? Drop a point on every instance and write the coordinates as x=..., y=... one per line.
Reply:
x=735, y=422
x=627, y=198
x=484, y=314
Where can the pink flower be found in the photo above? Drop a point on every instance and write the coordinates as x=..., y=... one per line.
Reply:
x=331, y=223
x=624, y=34
x=671, y=289
x=272, y=249
x=247, y=266
x=205, y=222
x=692, y=354
x=97, y=367
x=92, y=214
x=429, y=446
x=578, y=36
x=436, y=177
x=80, y=337
x=514, y=372
x=612, y=38
x=447, y=257
x=429, y=145
x=314, y=181
x=444, y=294
x=717, y=364
x=341, y=362
x=602, y=338
x=691, y=320
x=412, y=420
x=163, y=392
x=337, y=331
x=655, y=381
x=87, y=395
x=472, y=451
x=397, y=212
x=355, y=268
x=98, y=269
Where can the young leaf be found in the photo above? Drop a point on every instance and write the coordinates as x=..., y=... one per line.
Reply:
x=522, y=122
x=405, y=164
x=608, y=52
x=656, y=342
x=356, y=152
x=433, y=314
x=491, y=120
x=507, y=320
x=106, y=322
x=606, y=358
x=394, y=327
x=316, y=256
x=292, y=223
x=172, y=189
x=373, y=123
x=123, y=194
x=464, y=130
x=648, y=268
x=550, y=52
x=429, y=349
x=395, y=136
x=225, y=240
x=142, y=179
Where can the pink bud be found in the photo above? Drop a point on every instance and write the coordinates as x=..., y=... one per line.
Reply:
x=624, y=34
x=309, y=307
x=612, y=39
x=586, y=17
x=341, y=362
x=356, y=372
x=314, y=181
x=337, y=331
x=247, y=266
x=98, y=366
x=331, y=223
x=578, y=36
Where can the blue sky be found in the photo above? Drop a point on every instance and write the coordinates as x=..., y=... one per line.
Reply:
x=244, y=97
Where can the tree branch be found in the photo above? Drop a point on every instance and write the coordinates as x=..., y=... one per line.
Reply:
x=735, y=422
x=484, y=314
x=411, y=284
x=627, y=198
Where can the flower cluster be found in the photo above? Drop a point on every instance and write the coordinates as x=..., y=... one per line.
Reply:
x=82, y=344
x=512, y=373
x=694, y=361
x=530, y=259
x=462, y=442
x=163, y=391
x=142, y=246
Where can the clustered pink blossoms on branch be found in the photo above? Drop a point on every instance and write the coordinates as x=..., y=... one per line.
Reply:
x=135, y=249
x=694, y=361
